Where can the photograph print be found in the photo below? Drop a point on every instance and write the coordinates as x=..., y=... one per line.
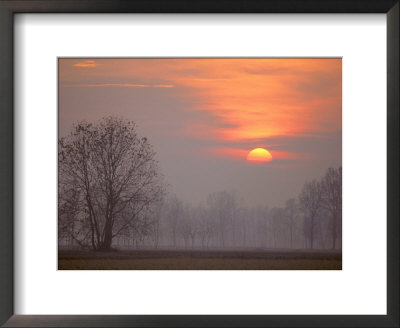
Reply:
x=199, y=163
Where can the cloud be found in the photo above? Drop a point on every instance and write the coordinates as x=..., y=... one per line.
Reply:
x=265, y=98
x=119, y=85
x=162, y=86
x=86, y=63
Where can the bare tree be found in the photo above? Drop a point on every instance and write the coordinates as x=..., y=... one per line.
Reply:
x=310, y=201
x=156, y=224
x=291, y=213
x=277, y=216
x=194, y=225
x=332, y=199
x=243, y=217
x=115, y=174
x=68, y=209
x=223, y=205
x=174, y=209
x=259, y=226
x=185, y=226
x=206, y=226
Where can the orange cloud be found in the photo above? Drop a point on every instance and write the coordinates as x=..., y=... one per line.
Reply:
x=86, y=63
x=118, y=85
x=262, y=98
x=163, y=86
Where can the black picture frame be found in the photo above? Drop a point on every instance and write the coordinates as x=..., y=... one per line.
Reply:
x=10, y=7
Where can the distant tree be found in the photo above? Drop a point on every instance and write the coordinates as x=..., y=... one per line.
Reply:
x=259, y=226
x=194, y=226
x=243, y=218
x=114, y=174
x=310, y=200
x=67, y=216
x=206, y=226
x=174, y=210
x=223, y=205
x=186, y=227
x=291, y=213
x=277, y=216
x=156, y=224
x=332, y=199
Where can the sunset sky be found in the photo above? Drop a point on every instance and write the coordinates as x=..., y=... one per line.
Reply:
x=203, y=117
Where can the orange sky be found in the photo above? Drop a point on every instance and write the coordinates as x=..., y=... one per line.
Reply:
x=203, y=116
x=252, y=100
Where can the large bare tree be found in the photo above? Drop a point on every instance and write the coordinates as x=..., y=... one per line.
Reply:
x=113, y=177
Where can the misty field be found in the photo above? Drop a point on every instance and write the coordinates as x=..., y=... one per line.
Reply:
x=200, y=260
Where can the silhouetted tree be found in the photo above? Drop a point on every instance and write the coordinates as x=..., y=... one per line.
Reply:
x=310, y=202
x=223, y=205
x=332, y=199
x=291, y=213
x=186, y=226
x=277, y=216
x=174, y=209
x=116, y=176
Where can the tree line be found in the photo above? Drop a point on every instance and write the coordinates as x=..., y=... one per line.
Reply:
x=312, y=220
x=112, y=194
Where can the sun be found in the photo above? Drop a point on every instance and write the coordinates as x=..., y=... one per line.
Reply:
x=259, y=155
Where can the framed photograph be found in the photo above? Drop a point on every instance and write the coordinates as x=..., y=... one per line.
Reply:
x=208, y=164
x=200, y=157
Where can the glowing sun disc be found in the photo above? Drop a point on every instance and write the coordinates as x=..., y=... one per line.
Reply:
x=259, y=155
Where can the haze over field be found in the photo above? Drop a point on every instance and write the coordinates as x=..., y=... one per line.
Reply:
x=203, y=117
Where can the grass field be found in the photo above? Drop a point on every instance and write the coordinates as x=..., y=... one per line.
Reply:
x=200, y=260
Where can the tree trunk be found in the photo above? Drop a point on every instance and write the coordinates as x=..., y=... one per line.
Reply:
x=107, y=241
